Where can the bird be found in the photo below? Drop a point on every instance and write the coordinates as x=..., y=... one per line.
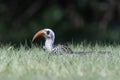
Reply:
x=49, y=45
x=49, y=36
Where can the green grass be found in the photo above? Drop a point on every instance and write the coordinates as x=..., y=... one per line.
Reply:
x=35, y=64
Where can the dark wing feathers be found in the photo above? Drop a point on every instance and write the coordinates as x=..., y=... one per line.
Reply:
x=61, y=49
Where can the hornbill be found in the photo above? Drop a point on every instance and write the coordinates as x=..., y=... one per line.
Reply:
x=49, y=36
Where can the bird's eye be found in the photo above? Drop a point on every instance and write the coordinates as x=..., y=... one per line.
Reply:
x=48, y=32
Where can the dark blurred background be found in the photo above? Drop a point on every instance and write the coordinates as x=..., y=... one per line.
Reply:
x=72, y=20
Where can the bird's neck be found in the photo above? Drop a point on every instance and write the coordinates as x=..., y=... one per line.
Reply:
x=49, y=43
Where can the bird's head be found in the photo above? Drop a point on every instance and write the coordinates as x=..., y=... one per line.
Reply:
x=47, y=33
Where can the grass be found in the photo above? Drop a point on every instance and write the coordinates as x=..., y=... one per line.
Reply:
x=35, y=64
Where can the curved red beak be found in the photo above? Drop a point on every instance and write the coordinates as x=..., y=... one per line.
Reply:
x=39, y=33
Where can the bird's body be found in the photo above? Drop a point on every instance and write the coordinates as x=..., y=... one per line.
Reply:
x=49, y=36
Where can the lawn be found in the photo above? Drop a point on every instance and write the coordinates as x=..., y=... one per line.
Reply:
x=35, y=64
